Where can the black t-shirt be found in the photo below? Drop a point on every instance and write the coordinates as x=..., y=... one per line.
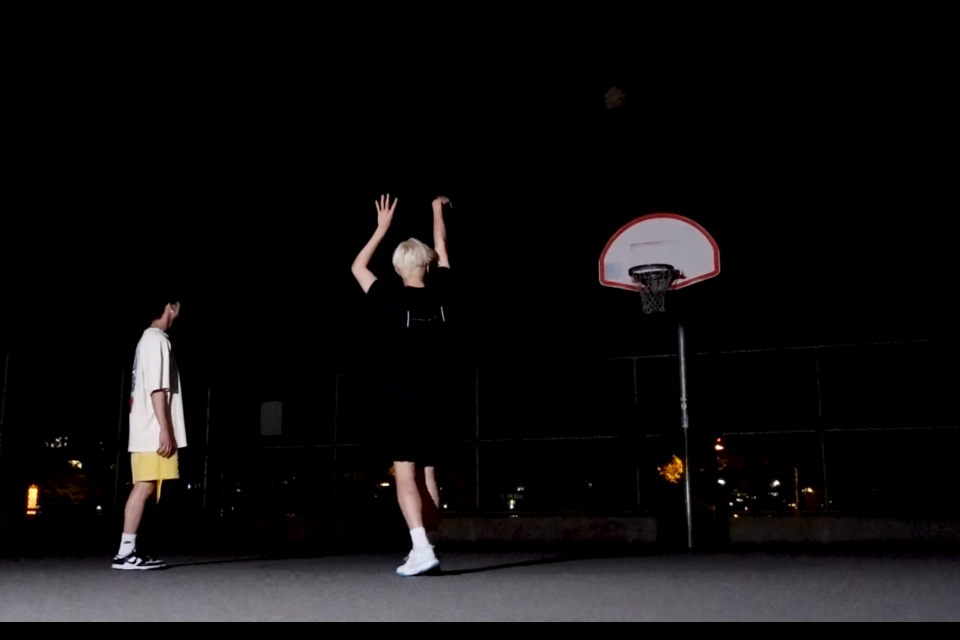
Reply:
x=415, y=323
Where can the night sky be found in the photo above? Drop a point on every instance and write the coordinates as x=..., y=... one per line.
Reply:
x=829, y=194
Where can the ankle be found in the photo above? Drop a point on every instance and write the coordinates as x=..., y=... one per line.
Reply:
x=128, y=544
x=419, y=538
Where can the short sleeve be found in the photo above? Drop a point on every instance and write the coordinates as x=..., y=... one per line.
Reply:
x=441, y=280
x=378, y=295
x=376, y=292
x=156, y=365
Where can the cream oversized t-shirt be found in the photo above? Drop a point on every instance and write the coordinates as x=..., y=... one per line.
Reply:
x=154, y=369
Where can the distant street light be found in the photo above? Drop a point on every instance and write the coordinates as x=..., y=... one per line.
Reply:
x=33, y=500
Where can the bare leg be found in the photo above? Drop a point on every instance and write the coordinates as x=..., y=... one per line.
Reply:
x=431, y=509
x=408, y=494
x=432, y=488
x=422, y=558
x=142, y=491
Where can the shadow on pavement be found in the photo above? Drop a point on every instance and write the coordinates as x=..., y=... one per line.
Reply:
x=303, y=554
x=214, y=563
x=444, y=574
x=503, y=567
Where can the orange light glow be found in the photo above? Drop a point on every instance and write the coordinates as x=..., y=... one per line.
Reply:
x=673, y=472
x=33, y=500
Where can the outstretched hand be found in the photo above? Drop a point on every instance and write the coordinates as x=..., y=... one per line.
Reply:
x=441, y=201
x=385, y=211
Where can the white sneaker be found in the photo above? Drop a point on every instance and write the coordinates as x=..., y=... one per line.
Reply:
x=419, y=563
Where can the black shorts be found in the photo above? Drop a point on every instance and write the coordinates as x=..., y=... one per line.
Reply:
x=416, y=412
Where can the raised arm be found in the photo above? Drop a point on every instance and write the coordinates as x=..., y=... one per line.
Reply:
x=440, y=231
x=361, y=270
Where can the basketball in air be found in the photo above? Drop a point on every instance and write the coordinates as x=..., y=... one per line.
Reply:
x=615, y=98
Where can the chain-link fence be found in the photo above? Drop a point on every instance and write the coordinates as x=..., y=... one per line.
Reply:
x=866, y=429
x=850, y=429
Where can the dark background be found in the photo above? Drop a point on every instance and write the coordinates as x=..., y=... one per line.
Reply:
x=827, y=193
x=823, y=171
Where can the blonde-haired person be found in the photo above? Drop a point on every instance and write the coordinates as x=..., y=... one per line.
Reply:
x=413, y=258
x=416, y=318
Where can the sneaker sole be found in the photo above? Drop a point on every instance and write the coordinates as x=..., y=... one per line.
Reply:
x=130, y=568
x=430, y=569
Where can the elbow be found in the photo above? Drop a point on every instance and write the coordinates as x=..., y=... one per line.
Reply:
x=360, y=272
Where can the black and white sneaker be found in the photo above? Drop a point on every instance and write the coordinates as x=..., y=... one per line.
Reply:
x=135, y=562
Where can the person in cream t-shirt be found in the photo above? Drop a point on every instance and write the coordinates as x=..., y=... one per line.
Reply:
x=157, y=430
x=154, y=370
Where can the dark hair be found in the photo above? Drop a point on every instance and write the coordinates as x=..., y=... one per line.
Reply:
x=157, y=304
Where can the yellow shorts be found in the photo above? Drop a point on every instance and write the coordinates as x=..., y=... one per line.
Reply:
x=150, y=467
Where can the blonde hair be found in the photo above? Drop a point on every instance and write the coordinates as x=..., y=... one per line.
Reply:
x=412, y=256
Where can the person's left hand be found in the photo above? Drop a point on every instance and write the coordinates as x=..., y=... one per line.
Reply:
x=168, y=444
x=385, y=211
x=441, y=201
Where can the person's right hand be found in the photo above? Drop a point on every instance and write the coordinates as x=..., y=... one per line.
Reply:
x=441, y=202
x=168, y=444
x=385, y=211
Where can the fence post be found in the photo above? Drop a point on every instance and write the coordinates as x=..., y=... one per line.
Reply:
x=477, y=442
x=636, y=406
x=823, y=437
x=124, y=410
x=206, y=452
x=8, y=347
x=336, y=439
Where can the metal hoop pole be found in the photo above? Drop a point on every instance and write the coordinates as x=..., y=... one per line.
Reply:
x=688, y=483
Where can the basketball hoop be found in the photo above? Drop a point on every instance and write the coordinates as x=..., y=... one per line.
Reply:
x=653, y=282
x=674, y=253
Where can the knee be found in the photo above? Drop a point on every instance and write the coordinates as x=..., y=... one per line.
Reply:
x=407, y=485
x=144, y=490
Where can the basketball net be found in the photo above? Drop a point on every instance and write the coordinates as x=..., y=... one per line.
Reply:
x=654, y=281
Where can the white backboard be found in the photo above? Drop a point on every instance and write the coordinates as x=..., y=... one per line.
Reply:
x=662, y=238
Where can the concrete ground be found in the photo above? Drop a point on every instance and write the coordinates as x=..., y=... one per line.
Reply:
x=478, y=587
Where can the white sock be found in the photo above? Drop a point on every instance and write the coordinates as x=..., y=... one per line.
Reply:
x=419, y=537
x=127, y=545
